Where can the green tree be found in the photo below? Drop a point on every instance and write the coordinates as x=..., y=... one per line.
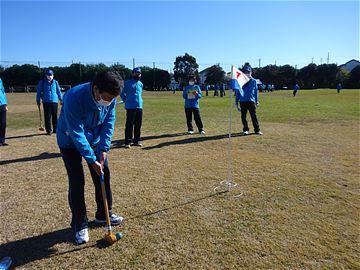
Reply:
x=215, y=75
x=184, y=66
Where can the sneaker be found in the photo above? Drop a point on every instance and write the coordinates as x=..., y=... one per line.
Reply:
x=138, y=144
x=128, y=146
x=82, y=236
x=258, y=133
x=245, y=133
x=4, y=144
x=202, y=132
x=114, y=220
x=190, y=132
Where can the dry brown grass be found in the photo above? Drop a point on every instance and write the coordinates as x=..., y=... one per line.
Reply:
x=299, y=209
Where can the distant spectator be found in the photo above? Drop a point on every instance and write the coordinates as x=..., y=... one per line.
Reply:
x=296, y=89
x=338, y=87
x=3, y=110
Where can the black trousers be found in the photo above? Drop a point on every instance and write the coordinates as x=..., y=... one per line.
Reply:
x=294, y=93
x=133, y=125
x=251, y=107
x=2, y=123
x=196, y=112
x=73, y=164
x=50, y=116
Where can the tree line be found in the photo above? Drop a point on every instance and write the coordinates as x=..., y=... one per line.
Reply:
x=27, y=74
x=285, y=76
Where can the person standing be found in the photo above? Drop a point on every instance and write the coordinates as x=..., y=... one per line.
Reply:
x=296, y=89
x=3, y=110
x=86, y=126
x=247, y=100
x=338, y=87
x=48, y=90
x=132, y=97
x=191, y=95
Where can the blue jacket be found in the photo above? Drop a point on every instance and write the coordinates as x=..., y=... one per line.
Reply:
x=132, y=94
x=192, y=103
x=84, y=124
x=48, y=92
x=296, y=87
x=249, y=92
x=3, y=100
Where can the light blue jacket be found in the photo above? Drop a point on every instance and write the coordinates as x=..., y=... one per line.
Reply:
x=192, y=103
x=3, y=100
x=48, y=92
x=296, y=87
x=248, y=93
x=132, y=94
x=84, y=124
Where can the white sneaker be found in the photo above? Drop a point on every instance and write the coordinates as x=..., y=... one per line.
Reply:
x=245, y=133
x=114, y=220
x=190, y=132
x=259, y=133
x=127, y=146
x=202, y=132
x=82, y=236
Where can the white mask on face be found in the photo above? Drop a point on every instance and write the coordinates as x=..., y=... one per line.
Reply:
x=49, y=77
x=104, y=102
x=248, y=75
x=191, y=83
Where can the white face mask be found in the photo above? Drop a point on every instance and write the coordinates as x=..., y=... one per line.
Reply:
x=191, y=83
x=248, y=75
x=104, y=102
x=49, y=77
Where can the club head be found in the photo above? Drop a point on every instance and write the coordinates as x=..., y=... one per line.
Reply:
x=111, y=238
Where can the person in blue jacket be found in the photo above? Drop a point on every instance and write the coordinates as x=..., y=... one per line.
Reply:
x=338, y=87
x=48, y=90
x=192, y=94
x=3, y=110
x=132, y=97
x=247, y=100
x=296, y=89
x=85, y=128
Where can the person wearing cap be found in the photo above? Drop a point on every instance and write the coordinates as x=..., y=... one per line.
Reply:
x=247, y=100
x=132, y=97
x=191, y=95
x=86, y=126
x=296, y=89
x=48, y=91
x=338, y=87
x=3, y=110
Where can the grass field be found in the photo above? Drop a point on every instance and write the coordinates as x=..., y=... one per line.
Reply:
x=299, y=207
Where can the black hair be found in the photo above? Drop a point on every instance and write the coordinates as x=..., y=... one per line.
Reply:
x=109, y=81
x=192, y=77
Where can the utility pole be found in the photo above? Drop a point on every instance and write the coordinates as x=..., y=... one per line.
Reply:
x=259, y=62
x=39, y=68
x=321, y=61
x=153, y=75
x=133, y=62
x=275, y=62
x=328, y=58
x=80, y=71
x=312, y=60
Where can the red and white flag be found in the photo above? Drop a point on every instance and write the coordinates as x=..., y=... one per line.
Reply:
x=238, y=78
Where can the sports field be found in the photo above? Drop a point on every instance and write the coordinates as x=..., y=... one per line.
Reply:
x=299, y=186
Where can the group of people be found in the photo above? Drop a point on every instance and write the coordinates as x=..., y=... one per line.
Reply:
x=86, y=125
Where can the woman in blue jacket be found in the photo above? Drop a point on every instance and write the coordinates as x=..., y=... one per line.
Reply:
x=3, y=109
x=132, y=97
x=48, y=90
x=191, y=95
x=85, y=129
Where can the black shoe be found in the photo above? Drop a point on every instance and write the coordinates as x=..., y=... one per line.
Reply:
x=4, y=144
x=48, y=133
x=139, y=144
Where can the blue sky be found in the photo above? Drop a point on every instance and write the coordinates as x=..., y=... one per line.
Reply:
x=290, y=32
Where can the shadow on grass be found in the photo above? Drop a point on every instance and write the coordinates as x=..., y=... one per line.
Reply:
x=42, y=156
x=175, y=206
x=120, y=143
x=193, y=139
x=42, y=246
x=25, y=136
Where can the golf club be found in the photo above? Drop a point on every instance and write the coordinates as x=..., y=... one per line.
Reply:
x=41, y=128
x=110, y=237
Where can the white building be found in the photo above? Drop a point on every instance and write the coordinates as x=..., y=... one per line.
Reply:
x=350, y=65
